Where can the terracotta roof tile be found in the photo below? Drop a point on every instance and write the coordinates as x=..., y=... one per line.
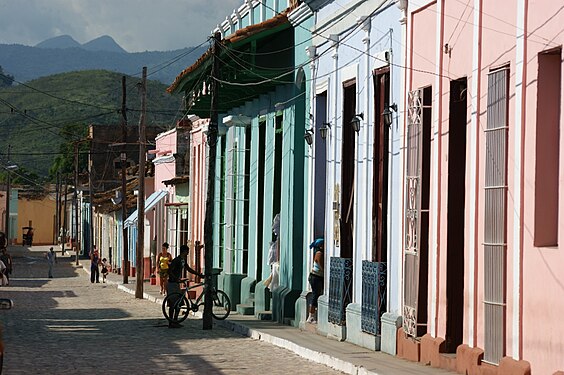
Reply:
x=239, y=35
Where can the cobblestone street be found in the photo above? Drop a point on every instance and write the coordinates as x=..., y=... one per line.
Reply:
x=68, y=325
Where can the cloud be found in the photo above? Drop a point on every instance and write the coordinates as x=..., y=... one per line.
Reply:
x=137, y=25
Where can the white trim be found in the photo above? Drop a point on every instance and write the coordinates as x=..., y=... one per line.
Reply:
x=518, y=144
x=321, y=86
x=164, y=134
x=300, y=14
x=435, y=179
x=472, y=196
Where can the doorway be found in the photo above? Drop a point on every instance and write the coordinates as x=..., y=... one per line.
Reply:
x=455, y=214
x=347, y=169
x=380, y=173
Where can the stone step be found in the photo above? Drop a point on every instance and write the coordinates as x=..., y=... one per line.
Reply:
x=309, y=327
x=264, y=315
x=245, y=309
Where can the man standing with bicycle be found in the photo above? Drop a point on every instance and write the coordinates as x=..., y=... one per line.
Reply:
x=175, y=269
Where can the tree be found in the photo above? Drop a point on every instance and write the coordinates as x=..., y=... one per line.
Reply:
x=6, y=79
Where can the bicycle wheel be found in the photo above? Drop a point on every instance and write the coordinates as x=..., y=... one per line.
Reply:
x=176, y=307
x=221, y=305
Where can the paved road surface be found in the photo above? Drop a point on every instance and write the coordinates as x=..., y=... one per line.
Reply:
x=68, y=325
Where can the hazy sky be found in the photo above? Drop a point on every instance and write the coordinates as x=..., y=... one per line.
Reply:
x=136, y=25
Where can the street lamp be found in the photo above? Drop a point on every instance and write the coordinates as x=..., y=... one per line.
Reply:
x=324, y=129
x=308, y=136
x=387, y=115
x=355, y=122
x=9, y=168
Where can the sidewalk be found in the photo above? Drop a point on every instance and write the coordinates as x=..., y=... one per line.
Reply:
x=342, y=356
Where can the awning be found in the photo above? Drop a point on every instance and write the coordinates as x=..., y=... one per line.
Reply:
x=150, y=202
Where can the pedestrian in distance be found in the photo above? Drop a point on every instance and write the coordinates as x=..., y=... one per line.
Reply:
x=6, y=258
x=94, y=266
x=316, y=278
x=175, y=269
x=105, y=269
x=163, y=260
x=51, y=260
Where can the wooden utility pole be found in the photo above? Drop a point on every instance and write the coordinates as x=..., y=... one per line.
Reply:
x=75, y=199
x=91, y=205
x=141, y=196
x=212, y=135
x=123, y=158
x=64, y=234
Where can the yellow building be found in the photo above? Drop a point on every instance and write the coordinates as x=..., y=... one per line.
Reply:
x=38, y=213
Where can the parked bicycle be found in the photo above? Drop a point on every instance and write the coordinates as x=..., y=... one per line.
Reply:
x=180, y=304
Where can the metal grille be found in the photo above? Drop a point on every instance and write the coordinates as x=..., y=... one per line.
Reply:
x=373, y=295
x=340, y=289
x=412, y=212
x=495, y=246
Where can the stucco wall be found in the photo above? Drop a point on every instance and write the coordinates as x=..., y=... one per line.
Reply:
x=543, y=280
x=41, y=213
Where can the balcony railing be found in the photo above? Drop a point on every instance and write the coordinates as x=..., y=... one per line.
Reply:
x=340, y=289
x=373, y=295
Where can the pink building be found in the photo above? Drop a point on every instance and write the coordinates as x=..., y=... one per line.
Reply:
x=198, y=188
x=484, y=186
x=171, y=176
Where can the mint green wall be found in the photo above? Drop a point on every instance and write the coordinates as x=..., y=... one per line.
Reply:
x=268, y=213
x=254, y=246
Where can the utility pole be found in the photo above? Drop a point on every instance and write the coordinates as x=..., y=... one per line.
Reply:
x=123, y=158
x=8, y=187
x=75, y=199
x=91, y=198
x=141, y=196
x=64, y=233
x=207, y=318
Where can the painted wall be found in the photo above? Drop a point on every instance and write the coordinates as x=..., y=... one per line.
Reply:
x=360, y=51
x=41, y=214
x=481, y=37
x=543, y=284
x=198, y=182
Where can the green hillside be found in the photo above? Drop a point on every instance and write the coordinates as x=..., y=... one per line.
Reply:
x=39, y=116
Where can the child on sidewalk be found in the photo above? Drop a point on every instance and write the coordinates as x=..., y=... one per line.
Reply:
x=105, y=269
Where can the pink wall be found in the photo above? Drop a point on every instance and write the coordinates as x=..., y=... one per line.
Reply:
x=198, y=173
x=498, y=48
x=165, y=145
x=197, y=181
x=543, y=279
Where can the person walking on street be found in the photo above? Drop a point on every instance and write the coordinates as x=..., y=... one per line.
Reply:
x=163, y=261
x=6, y=258
x=51, y=260
x=175, y=269
x=94, y=263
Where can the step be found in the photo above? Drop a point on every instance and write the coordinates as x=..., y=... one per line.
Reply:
x=264, y=315
x=309, y=327
x=246, y=309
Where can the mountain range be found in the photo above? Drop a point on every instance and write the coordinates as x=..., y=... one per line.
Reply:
x=64, y=54
x=103, y=43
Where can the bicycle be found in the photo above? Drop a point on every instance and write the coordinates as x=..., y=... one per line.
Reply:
x=181, y=304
